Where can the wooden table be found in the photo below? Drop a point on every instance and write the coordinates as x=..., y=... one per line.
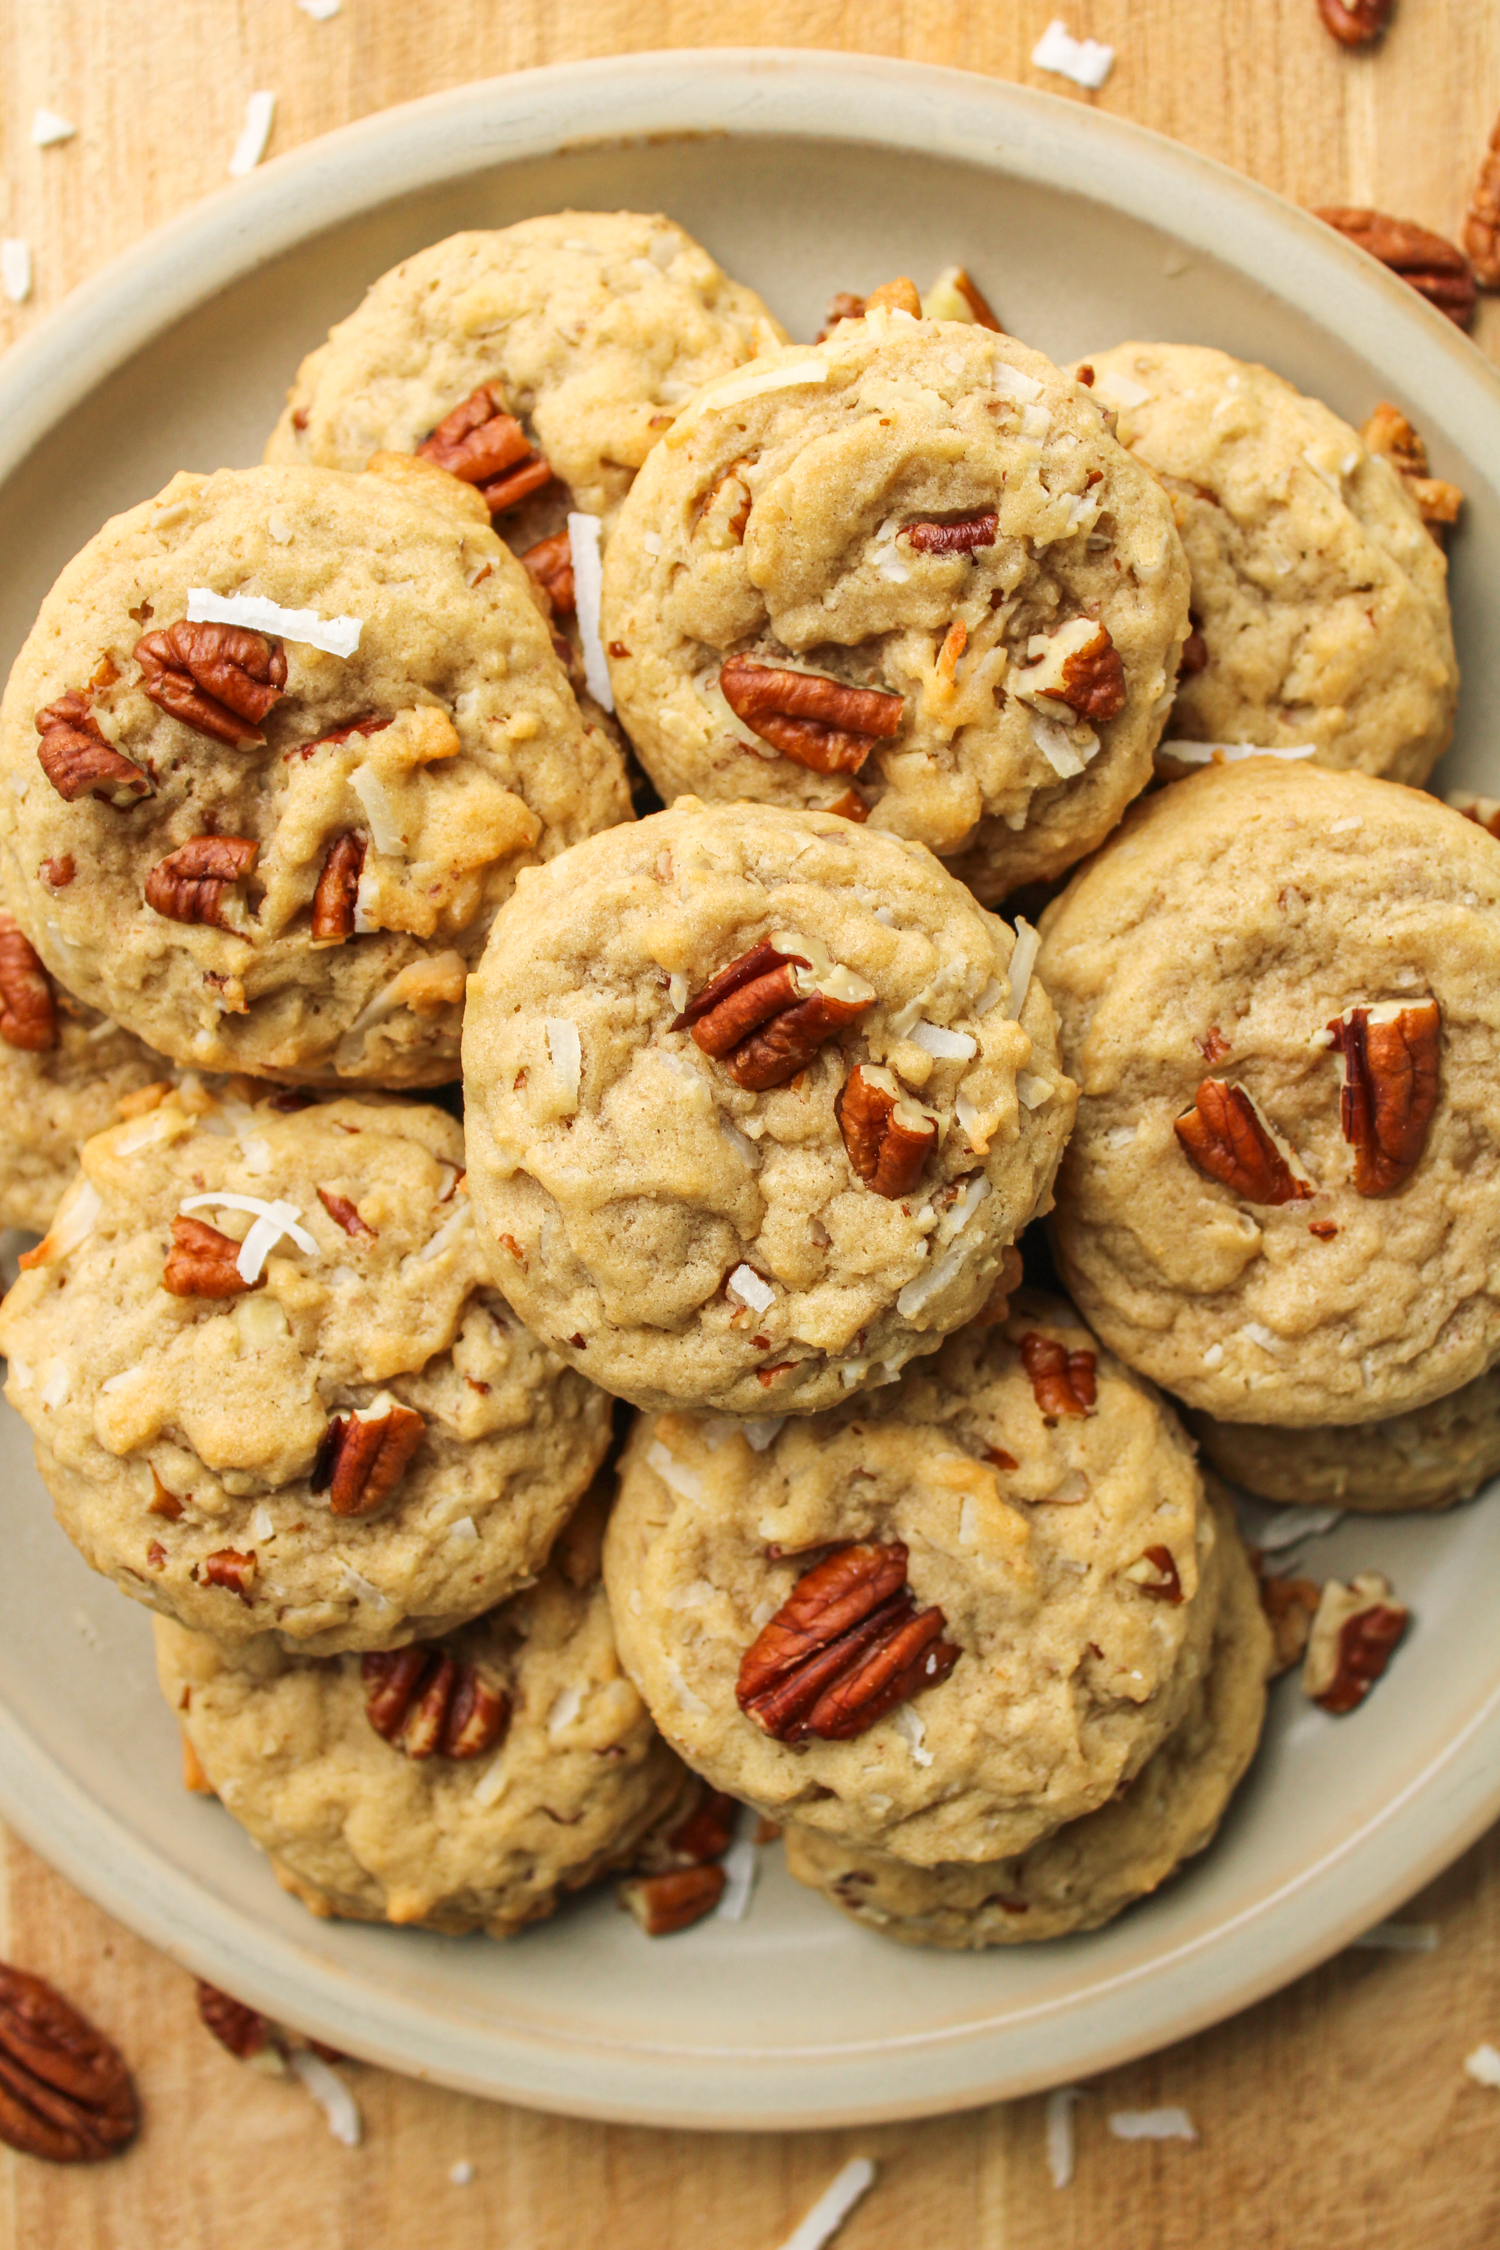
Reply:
x=1337, y=2111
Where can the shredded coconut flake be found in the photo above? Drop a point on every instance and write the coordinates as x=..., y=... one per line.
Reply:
x=55, y=1385
x=1152, y=2125
x=833, y=2206
x=336, y=636
x=674, y=1473
x=1212, y=753
x=321, y=11
x=20, y=1375
x=464, y=1533
x=741, y=1865
x=385, y=829
x=651, y=541
x=733, y=389
x=588, y=593
x=48, y=129
x=491, y=1785
x=1214, y=1356
x=751, y=1289
x=1060, y=2134
x=564, y=1710
x=272, y=1221
x=262, y=1522
x=684, y=1694
x=1074, y=1487
x=565, y=1049
x=361, y=1588
x=1256, y=1332
x=1483, y=2066
x=112, y=1382
x=1035, y=1092
x=913, y=1733
x=331, y=2095
x=1067, y=750
x=248, y=151
x=1022, y=961
x=15, y=268
x=1289, y=1526
x=437, y=1243
x=1088, y=62
x=946, y=1046
x=73, y=1224
x=763, y=1430
x=1010, y=382
x=1120, y=389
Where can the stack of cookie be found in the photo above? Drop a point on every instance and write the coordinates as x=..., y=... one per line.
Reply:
x=319, y=797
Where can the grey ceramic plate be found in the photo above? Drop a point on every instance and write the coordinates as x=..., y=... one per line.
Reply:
x=805, y=174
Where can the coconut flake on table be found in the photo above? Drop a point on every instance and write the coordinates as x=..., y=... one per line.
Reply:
x=271, y=1222
x=336, y=636
x=48, y=129
x=248, y=150
x=833, y=2206
x=588, y=597
x=565, y=1052
x=1483, y=2066
x=1169, y=2124
x=15, y=268
x=1227, y=753
x=1060, y=2142
x=1087, y=62
x=321, y=11
x=331, y=2095
x=748, y=1285
x=675, y=1474
x=943, y=1045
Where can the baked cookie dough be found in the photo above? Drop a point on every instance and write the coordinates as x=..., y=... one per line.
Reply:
x=286, y=860
x=1277, y=988
x=755, y=1199
x=1427, y=1458
x=1084, y=1874
x=1063, y=1579
x=271, y=1386
x=1320, y=603
x=906, y=573
x=559, y=1776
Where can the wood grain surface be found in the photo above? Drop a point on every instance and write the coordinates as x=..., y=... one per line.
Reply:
x=1337, y=2112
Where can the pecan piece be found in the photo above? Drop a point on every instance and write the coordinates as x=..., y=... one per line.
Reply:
x=363, y=1456
x=1482, y=223
x=343, y=1213
x=844, y=306
x=1225, y=1138
x=1435, y=267
x=234, y=1571
x=1356, y=23
x=338, y=890
x=550, y=563
x=65, y=2092
x=195, y=883
x=243, y=2030
x=1290, y=1605
x=954, y=538
x=888, y=1138
x=1355, y=1629
x=1390, y=1088
x=221, y=679
x=1389, y=434
x=1156, y=1573
x=846, y=1646
x=202, y=1262
x=817, y=723
x=707, y=1832
x=77, y=760
x=767, y=1014
x=775, y=1053
x=899, y=295
x=28, y=1011
x=429, y=1703
x=1063, y=1382
x=58, y=873
x=674, y=1900
x=484, y=446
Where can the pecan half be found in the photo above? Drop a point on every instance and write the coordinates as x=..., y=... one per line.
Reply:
x=201, y=1263
x=77, y=760
x=1356, y=23
x=343, y=1213
x=234, y=1571
x=1435, y=267
x=484, y=446
x=887, y=1137
x=1389, y=434
x=28, y=1011
x=766, y=1015
x=1156, y=1574
x=1355, y=1629
x=550, y=563
x=221, y=679
x=846, y=1646
x=1390, y=1089
x=1482, y=223
x=1224, y=1136
x=65, y=2092
x=674, y=1900
x=1062, y=1382
x=431, y=1704
x=955, y=538
x=817, y=723
x=195, y=883
x=338, y=890
x=1290, y=1605
x=361, y=1462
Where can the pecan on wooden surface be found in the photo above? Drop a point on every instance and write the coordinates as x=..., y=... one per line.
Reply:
x=1389, y=434
x=77, y=760
x=361, y=1462
x=1063, y=1382
x=888, y=1137
x=430, y=1704
x=767, y=1015
x=232, y=1569
x=243, y=2030
x=1353, y=1634
x=1434, y=266
x=201, y=1262
x=1156, y=1574
x=673, y=1900
x=65, y=2092
x=343, y=1213
x=221, y=679
x=1390, y=1088
x=1225, y=1138
x=1289, y=1605
x=337, y=892
x=817, y=723
x=960, y=537
x=482, y=445
x=550, y=563
x=195, y=883
x=846, y=1646
x=1356, y=23
x=1482, y=222
x=28, y=1011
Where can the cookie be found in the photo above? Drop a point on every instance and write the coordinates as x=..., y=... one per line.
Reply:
x=1276, y=986
x=1427, y=1458
x=1320, y=604
x=1085, y=1873
x=751, y=1119
x=464, y=1785
x=271, y=1386
x=908, y=574
x=976, y=1603
x=285, y=860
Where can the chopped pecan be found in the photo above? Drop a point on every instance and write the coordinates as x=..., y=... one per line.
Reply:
x=1289, y=1605
x=1355, y=1629
x=195, y=883
x=201, y=1262
x=221, y=679
x=816, y=722
x=1435, y=267
x=899, y=295
x=1356, y=23
x=1389, y=434
x=1156, y=1573
x=58, y=873
x=673, y=1900
x=234, y=1571
x=844, y=306
x=77, y=760
x=974, y=297
x=162, y=1502
x=960, y=537
x=747, y=968
x=550, y=563
x=343, y=1213
x=1482, y=223
x=244, y=2031
x=766, y=1015
x=1390, y=1089
x=429, y=1703
x=483, y=445
x=1225, y=1138
x=707, y=1832
x=1078, y=666
x=338, y=889
x=360, y=1462
x=1213, y=1046
x=28, y=1011
x=846, y=1646
x=1194, y=653
x=887, y=1137
x=850, y=806
x=1063, y=1382
x=65, y=2092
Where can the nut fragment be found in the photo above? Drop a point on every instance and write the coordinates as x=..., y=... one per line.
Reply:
x=1078, y=666
x=337, y=893
x=767, y=1014
x=550, y=563
x=1389, y=434
x=846, y=1646
x=196, y=882
x=28, y=1011
x=1390, y=1088
x=1435, y=267
x=1290, y=1605
x=673, y=1900
x=360, y=1462
x=243, y=2030
x=1356, y=23
x=234, y=1571
x=1224, y=1136
x=899, y=295
x=1482, y=224
x=1355, y=1629
x=77, y=760
x=887, y=1136
x=484, y=446
x=429, y=1703
x=1063, y=1382
x=816, y=722
x=343, y=1213
x=221, y=679
x=844, y=306
x=201, y=1263
x=959, y=537
x=1156, y=1574
x=65, y=2093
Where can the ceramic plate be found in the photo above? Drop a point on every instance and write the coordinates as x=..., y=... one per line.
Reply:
x=804, y=174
